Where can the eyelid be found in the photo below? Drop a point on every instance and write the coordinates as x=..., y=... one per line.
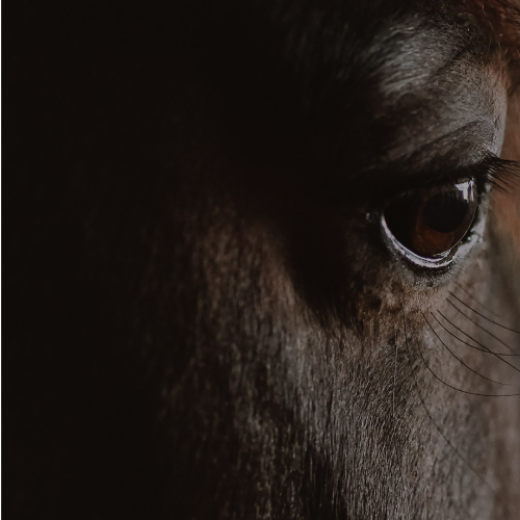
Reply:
x=371, y=191
x=443, y=173
x=490, y=172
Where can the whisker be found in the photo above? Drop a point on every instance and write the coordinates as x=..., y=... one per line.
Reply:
x=457, y=358
x=483, y=349
x=482, y=315
x=430, y=417
x=461, y=287
x=454, y=387
x=481, y=327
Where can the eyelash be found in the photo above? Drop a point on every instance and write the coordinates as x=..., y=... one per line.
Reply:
x=501, y=174
x=491, y=172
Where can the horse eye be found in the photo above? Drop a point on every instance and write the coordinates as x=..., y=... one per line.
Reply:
x=432, y=222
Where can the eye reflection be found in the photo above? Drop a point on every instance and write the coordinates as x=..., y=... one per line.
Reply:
x=431, y=222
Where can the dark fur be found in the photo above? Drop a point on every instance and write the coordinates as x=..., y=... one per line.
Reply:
x=194, y=329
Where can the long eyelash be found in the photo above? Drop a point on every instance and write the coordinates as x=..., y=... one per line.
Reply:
x=500, y=174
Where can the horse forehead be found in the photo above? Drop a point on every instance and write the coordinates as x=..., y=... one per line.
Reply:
x=438, y=80
x=414, y=78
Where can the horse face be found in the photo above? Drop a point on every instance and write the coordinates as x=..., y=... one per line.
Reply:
x=287, y=266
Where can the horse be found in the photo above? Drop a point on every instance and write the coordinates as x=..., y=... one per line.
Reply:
x=262, y=260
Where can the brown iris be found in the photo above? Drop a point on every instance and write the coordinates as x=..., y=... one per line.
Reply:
x=431, y=222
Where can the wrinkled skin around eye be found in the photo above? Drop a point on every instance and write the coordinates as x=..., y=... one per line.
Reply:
x=195, y=331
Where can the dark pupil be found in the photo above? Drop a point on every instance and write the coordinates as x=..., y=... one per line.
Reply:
x=445, y=212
